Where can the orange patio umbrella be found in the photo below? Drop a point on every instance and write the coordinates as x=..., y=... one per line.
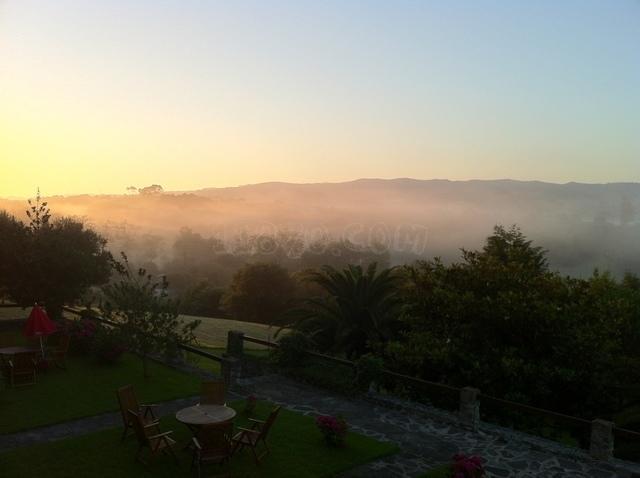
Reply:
x=39, y=325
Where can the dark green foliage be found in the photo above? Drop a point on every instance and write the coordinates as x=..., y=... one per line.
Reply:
x=502, y=321
x=203, y=299
x=50, y=261
x=292, y=350
x=260, y=293
x=368, y=369
x=358, y=312
x=330, y=376
x=149, y=319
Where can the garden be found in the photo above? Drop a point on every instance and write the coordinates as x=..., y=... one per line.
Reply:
x=297, y=448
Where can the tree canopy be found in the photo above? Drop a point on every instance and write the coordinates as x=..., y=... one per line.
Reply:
x=53, y=261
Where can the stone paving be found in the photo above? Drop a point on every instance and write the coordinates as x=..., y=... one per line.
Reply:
x=428, y=437
x=81, y=426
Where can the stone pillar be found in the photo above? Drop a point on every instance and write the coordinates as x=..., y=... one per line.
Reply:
x=469, y=413
x=601, y=445
x=235, y=343
x=230, y=369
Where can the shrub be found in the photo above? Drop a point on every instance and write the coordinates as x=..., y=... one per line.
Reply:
x=292, y=350
x=82, y=333
x=334, y=429
x=250, y=404
x=467, y=466
x=368, y=369
x=107, y=345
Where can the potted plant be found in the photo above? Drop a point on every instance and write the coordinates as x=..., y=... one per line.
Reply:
x=250, y=404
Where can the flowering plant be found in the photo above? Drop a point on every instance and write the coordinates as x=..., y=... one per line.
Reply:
x=467, y=466
x=250, y=406
x=334, y=429
x=82, y=333
x=107, y=345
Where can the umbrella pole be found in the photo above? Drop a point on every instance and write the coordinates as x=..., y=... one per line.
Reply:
x=41, y=347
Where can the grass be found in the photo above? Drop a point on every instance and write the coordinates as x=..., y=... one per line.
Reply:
x=439, y=472
x=87, y=388
x=13, y=313
x=213, y=332
x=297, y=450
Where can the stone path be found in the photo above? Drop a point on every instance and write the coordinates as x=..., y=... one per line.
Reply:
x=428, y=437
x=81, y=426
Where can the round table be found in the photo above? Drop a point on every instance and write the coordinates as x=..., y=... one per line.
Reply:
x=199, y=415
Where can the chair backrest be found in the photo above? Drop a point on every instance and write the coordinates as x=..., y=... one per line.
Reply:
x=269, y=422
x=212, y=392
x=23, y=362
x=128, y=401
x=215, y=438
x=138, y=427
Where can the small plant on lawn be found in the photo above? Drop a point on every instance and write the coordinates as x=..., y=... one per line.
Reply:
x=464, y=466
x=82, y=333
x=250, y=405
x=107, y=345
x=150, y=326
x=333, y=429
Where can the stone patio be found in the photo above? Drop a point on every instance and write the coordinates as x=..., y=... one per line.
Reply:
x=429, y=437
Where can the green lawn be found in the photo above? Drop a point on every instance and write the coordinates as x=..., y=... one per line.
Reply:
x=87, y=388
x=213, y=332
x=297, y=451
x=439, y=472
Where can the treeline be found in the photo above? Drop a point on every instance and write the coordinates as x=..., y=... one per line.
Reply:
x=499, y=319
x=207, y=274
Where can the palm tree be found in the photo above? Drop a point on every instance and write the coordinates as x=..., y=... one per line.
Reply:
x=358, y=312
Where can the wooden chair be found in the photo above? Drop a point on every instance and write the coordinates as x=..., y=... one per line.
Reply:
x=20, y=369
x=148, y=437
x=59, y=353
x=212, y=392
x=252, y=437
x=212, y=446
x=128, y=401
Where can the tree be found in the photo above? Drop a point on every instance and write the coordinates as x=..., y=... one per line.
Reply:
x=149, y=320
x=50, y=261
x=260, y=292
x=357, y=314
x=13, y=247
x=152, y=190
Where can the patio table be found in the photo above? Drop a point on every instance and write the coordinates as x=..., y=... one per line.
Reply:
x=199, y=415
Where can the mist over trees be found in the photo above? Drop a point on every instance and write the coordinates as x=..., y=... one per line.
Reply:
x=583, y=226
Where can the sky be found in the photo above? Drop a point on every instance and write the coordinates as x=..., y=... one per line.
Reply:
x=97, y=96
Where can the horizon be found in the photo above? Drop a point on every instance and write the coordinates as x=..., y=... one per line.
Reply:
x=97, y=98
x=44, y=194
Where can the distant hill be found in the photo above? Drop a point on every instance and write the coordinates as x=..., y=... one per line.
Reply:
x=583, y=225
